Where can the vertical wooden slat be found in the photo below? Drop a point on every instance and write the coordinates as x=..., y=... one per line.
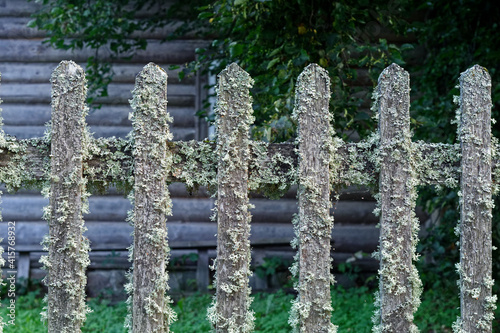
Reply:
x=399, y=282
x=202, y=270
x=476, y=302
x=312, y=310
x=68, y=248
x=231, y=312
x=152, y=160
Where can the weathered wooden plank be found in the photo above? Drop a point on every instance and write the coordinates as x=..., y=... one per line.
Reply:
x=180, y=190
x=21, y=50
x=16, y=27
x=109, y=235
x=111, y=259
x=231, y=311
x=400, y=286
x=202, y=270
x=17, y=7
x=23, y=267
x=178, y=133
x=39, y=72
x=68, y=248
x=108, y=115
x=30, y=132
x=25, y=132
x=151, y=310
x=119, y=93
x=312, y=309
x=476, y=302
x=25, y=114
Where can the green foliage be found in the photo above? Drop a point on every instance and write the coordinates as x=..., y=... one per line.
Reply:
x=455, y=37
x=353, y=309
x=272, y=265
x=275, y=40
x=275, y=270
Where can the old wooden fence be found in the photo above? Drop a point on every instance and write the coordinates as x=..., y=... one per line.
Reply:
x=68, y=161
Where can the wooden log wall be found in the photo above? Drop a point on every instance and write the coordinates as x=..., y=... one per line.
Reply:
x=26, y=66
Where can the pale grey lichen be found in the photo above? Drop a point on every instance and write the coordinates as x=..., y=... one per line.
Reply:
x=198, y=162
x=271, y=173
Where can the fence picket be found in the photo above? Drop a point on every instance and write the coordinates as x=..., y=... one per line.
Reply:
x=231, y=312
x=152, y=161
x=312, y=309
x=476, y=302
x=399, y=282
x=68, y=248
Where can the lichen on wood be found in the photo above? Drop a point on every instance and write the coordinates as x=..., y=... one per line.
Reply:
x=230, y=311
x=400, y=286
x=477, y=304
x=151, y=311
x=17, y=159
x=195, y=164
x=68, y=248
x=108, y=163
x=311, y=311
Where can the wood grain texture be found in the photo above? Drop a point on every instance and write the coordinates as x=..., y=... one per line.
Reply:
x=68, y=248
x=476, y=301
x=151, y=309
x=399, y=282
x=234, y=117
x=312, y=308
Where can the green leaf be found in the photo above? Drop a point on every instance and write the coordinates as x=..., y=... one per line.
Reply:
x=32, y=23
x=236, y=50
x=272, y=62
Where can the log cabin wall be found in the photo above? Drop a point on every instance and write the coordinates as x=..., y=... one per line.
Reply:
x=26, y=65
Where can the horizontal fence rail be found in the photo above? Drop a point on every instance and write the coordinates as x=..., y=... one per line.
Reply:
x=69, y=164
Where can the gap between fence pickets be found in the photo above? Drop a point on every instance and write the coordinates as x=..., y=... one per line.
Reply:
x=110, y=161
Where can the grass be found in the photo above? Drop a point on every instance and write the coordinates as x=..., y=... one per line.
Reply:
x=353, y=309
